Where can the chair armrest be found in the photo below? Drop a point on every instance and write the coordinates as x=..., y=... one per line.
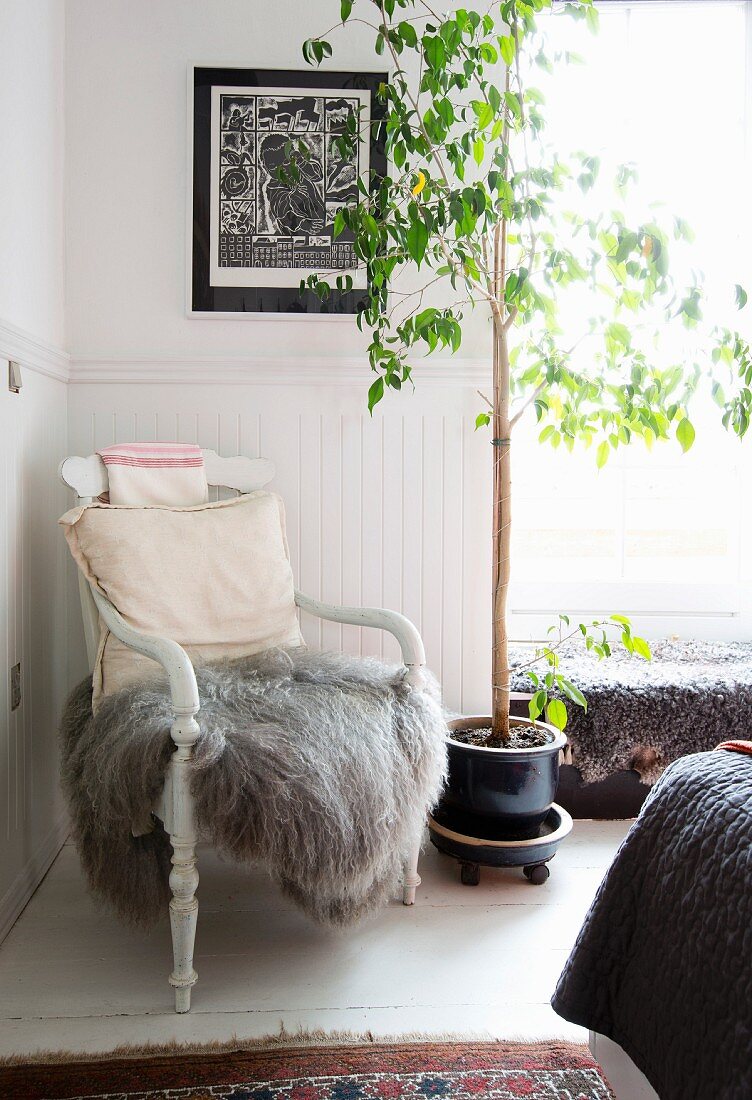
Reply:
x=172, y=657
x=410, y=641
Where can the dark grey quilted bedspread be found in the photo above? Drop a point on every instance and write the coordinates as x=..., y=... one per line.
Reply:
x=663, y=963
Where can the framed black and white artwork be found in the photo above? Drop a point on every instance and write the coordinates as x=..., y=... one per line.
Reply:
x=268, y=176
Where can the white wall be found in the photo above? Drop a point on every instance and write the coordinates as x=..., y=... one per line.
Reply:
x=390, y=510
x=31, y=166
x=127, y=163
x=33, y=430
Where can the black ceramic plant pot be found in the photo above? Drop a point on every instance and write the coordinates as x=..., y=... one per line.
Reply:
x=507, y=791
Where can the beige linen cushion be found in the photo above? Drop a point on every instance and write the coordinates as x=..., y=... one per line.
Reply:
x=215, y=578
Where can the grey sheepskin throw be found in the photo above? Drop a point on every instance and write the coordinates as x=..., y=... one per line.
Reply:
x=646, y=714
x=318, y=766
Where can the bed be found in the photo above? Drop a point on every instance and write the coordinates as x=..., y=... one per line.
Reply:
x=661, y=973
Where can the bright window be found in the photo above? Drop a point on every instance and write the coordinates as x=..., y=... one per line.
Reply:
x=661, y=536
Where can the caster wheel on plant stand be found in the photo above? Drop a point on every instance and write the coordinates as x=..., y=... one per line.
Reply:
x=470, y=874
x=537, y=873
x=474, y=850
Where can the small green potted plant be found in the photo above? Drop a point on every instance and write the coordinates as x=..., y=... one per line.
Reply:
x=476, y=204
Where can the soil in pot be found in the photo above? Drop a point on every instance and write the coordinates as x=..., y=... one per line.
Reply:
x=520, y=737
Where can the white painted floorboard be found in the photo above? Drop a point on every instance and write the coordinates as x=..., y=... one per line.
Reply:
x=464, y=960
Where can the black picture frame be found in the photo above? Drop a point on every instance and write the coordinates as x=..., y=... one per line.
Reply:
x=206, y=299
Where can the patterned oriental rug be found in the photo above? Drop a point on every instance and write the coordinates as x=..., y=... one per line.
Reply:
x=420, y=1071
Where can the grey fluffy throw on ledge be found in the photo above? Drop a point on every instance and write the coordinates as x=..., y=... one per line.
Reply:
x=646, y=714
x=320, y=766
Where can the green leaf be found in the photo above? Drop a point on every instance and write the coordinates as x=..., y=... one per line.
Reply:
x=601, y=455
x=690, y=306
x=685, y=434
x=642, y=648
x=479, y=150
x=445, y=111
x=417, y=241
x=345, y=8
x=556, y=713
x=741, y=296
x=592, y=20
x=537, y=704
x=484, y=112
x=482, y=420
x=434, y=51
x=507, y=46
x=513, y=103
x=375, y=393
x=572, y=692
x=408, y=34
x=619, y=333
x=683, y=230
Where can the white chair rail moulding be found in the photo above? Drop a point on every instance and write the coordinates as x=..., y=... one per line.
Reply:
x=300, y=370
x=33, y=353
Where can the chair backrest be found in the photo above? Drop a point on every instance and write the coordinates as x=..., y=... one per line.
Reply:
x=88, y=479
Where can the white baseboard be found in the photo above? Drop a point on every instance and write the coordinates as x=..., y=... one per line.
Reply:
x=19, y=892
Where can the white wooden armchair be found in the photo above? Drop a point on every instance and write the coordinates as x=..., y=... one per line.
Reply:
x=88, y=478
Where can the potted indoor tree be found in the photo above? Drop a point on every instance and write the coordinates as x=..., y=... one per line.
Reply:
x=477, y=213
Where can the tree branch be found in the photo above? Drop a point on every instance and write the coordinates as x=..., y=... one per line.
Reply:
x=527, y=403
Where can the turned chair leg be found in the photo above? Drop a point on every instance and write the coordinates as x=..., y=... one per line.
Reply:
x=183, y=876
x=411, y=879
x=183, y=918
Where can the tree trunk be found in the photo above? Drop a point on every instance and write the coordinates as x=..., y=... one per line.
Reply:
x=502, y=521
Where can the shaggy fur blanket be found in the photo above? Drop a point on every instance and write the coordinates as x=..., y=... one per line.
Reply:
x=646, y=714
x=320, y=766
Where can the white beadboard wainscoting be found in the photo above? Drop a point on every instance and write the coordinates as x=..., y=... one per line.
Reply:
x=33, y=631
x=392, y=510
x=33, y=439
